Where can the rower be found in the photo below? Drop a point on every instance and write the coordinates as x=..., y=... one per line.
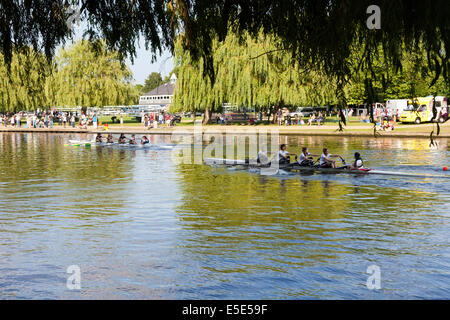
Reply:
x=284, y=155
x=326, y=161
x=99, y=138
x=358, y=163
x=133, y=139
x=144, y=140
x=306, y=158
x=122, y=139
x=262, y=157
x=109, y=138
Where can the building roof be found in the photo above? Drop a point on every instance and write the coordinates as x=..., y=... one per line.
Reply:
x=164, y=89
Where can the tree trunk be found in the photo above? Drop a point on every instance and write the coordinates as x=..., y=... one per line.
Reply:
x=274, y=114
x=207, y=116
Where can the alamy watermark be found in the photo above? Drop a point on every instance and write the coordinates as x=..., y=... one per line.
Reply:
x=74, y=17
x=374, y=20
x=228, y=147
x=74, y=280
x=374, y=280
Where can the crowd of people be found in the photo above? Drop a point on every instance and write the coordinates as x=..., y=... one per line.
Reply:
x=285, y=118
x=46, y=119
x=81, y=120
x=153, y=120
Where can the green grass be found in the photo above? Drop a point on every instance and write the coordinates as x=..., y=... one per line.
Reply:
x=126, y=120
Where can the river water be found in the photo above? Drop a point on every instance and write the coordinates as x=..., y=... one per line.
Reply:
x=139, y=226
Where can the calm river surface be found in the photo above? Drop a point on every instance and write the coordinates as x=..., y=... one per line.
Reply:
x=141, y=226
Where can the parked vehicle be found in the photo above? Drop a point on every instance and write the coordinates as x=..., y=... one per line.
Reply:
x=302, y=112
x=396, y=107
x=421, y=110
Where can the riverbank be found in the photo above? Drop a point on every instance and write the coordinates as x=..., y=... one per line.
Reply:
x=401, y=131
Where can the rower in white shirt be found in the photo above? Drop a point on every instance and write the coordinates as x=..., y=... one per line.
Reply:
x=326, y=160
x=284, y=155
x=306, y=158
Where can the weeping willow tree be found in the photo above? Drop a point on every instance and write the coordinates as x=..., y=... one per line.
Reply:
x=193, y=91
x=23, y=84
x=411, y=80
x=248, y=72
x=89, y=75
x=259, y=75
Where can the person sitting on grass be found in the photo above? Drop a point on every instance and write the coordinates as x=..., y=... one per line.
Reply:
x=320, y=119
x=311, y=119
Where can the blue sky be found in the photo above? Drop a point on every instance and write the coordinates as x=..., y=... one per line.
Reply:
x=143, y=65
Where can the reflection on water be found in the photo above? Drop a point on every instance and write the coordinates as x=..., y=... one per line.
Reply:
x=140, y=226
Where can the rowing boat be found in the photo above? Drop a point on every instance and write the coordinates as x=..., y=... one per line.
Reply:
x=296, y=168
x=121, y=145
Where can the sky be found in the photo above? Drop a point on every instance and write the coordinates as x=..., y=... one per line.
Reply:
x=143, y=65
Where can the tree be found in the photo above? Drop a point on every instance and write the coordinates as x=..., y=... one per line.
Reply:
x=88, y=76
x=412, y=80
x=139, y=88
x=153, y=81
x=23, y=84
x=318, y=33
x=248, y=76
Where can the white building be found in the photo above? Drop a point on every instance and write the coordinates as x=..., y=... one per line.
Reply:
x=161, y=96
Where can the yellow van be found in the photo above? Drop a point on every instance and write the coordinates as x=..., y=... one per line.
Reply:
x=421, y=110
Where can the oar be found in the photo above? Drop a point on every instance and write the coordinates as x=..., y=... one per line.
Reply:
x=343, y=161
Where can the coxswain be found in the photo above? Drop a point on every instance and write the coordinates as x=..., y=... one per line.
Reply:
x=144, y=140
x=326, y=161
x=358, y=163
x=306, y=158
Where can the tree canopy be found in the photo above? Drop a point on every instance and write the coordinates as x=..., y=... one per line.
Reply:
x=246, y=75
x=412, y=80
x=253, y=73
x=318, y=33
x=24, y=86
x=91, y=77
x=79, y=76
x=153, y=81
